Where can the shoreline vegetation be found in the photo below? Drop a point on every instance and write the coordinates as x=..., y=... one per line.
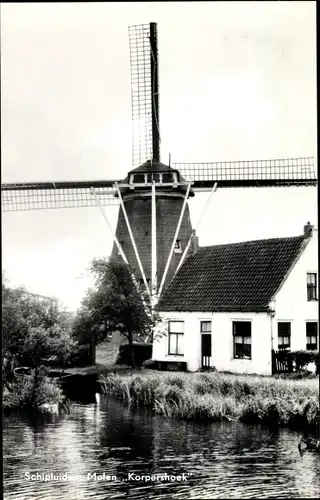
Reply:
x=32, y=392
x=218, y=396
x=49, y=394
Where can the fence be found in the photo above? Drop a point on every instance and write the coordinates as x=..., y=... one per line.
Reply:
x=295, y=361
x=281, y=362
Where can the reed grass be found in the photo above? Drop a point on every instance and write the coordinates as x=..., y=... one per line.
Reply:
x=217, y=396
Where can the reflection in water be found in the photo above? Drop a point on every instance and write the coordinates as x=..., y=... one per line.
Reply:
x=224, y=460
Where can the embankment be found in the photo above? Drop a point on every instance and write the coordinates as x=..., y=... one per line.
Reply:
x=217, y=396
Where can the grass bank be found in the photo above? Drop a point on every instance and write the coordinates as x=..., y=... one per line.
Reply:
x=217, y=396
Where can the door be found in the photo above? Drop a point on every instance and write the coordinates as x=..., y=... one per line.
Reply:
x=206, y=349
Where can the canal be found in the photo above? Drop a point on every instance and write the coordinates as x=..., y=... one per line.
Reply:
x=102, y=452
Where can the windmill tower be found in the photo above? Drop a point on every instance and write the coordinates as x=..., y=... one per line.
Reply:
x=154, y=232
x=154, y=197
x=155, y=215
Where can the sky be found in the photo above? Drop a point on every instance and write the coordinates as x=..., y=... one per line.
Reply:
x=237, y=82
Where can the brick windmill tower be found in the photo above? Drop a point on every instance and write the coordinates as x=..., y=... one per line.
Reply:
x=154, y=232
x=154, y=197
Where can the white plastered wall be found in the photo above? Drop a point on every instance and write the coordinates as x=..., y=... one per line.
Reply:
x=222, y=341
x=291, y=302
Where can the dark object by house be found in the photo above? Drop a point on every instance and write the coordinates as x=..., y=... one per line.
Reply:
x=233, y=277
x=174, y=366
x=142, y=352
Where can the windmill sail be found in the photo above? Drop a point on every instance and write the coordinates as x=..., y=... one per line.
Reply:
x=254, y=173
x=53, y=195
x=146, y=146
x=144, y=93
x=235, y=174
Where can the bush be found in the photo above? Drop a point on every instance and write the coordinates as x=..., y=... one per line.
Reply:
x=48, y=392
x=151, y=364
x=82, y=357
x=142, y=352
x=21, y=394
x=299, y=360
x=302, y=358
x=209, y=369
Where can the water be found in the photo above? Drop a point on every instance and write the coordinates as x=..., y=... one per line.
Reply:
x=219, y=460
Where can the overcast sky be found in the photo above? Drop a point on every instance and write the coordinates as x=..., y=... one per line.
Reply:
x=237, y=82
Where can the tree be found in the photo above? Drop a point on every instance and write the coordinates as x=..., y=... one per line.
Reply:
x=33, y=329
x=22, y=311
x=42, y=343
x=114, y=304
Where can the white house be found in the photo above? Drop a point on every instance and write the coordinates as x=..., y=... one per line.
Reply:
x=230, y=305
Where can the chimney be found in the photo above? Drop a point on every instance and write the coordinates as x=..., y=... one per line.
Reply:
x=194, y=242
x=308, y=230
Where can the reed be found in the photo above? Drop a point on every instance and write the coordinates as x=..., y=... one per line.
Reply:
x=217, y=396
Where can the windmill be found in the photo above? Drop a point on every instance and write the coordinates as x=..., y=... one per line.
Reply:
x=154, y=232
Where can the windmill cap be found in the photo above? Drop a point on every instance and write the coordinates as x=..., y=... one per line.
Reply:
x=152, y=166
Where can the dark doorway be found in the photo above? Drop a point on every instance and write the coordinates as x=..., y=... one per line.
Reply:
x=206, y=349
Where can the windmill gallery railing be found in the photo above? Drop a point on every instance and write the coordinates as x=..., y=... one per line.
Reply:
x=259, y=173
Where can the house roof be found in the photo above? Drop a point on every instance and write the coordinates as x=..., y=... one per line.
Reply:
x=234, y=277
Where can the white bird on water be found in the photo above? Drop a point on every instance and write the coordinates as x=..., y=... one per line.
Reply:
x=97, y=396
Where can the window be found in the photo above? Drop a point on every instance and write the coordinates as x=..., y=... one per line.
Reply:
x=167, y=177
x=312, y=286
x=205, y=326
x=176, y=335
x=312, y=335
x=139, y=178
x=284, y=335
x=242, y=339
x=177, y=246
